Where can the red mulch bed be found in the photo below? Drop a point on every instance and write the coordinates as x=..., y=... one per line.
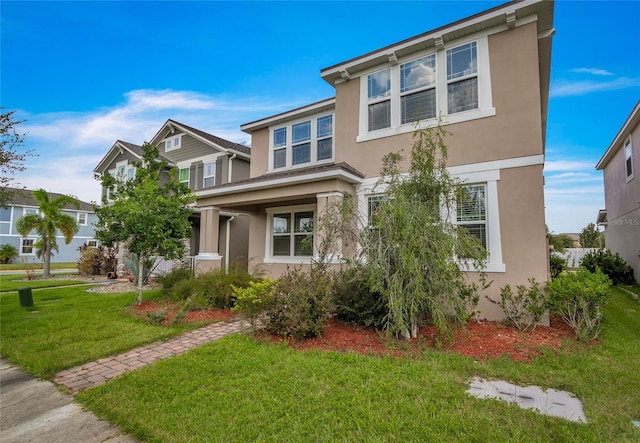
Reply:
x=480, y=340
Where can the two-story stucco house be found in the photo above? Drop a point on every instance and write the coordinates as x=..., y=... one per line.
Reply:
x=487, y=76
x=24, y=203
x=621, y=218
x=204, y=161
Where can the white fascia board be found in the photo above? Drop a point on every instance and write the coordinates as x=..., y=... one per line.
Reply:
x=438, y=33
x=288, y=115
x=624, y=132
x=278, y=182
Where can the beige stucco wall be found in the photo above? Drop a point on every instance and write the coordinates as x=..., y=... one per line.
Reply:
x=622, y=200
x=515, y=130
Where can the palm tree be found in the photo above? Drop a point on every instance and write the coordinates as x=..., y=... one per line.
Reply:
x=47, y=223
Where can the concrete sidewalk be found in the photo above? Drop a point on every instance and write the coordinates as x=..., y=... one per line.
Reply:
x=33, y=410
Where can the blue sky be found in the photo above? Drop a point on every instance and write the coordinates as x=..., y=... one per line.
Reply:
x=84, y=74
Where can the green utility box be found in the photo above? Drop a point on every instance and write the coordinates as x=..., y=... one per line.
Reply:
x=26, y=299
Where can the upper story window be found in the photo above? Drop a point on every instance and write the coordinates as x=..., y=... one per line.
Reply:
x=5, y=214
x=131, y=173
x=302, y=143
x=628, y=160
x=462, y=78
x=184, y=176
x=172, y=142
x=82, y=218
x=28, y=211
x=453, y=82
x=209, y=175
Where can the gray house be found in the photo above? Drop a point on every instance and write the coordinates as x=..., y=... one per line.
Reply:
x=621, y=218
x=22, y=204
x=203, y=161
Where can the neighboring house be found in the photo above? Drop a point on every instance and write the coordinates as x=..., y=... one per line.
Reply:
x=24, y=203
x=486, y=75
x=204, y=161
x=620, y=166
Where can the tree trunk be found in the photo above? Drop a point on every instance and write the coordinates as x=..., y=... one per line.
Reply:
x=140, y=277
x=46, y=255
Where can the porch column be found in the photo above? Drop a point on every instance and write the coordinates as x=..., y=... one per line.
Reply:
x=208, y=257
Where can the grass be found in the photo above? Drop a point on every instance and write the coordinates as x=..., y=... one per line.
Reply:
x=24, y=266
x=237, y=389
x=70, y=326
x=15, y=282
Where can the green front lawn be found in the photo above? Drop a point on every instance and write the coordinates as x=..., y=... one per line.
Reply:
x=37, y=266
x=13, y=282
x=70, y=326
x=237, y=389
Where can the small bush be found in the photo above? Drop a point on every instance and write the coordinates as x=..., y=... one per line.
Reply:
x=157, y=317
x=96, y=260
x=580, y=298
x=300, y=304
x=170, y=279
x=355, y=302
x=613, y=265
x=8, y=253
x=211, y=289
x=253, y=300
x=526, y=307
x=556, y=265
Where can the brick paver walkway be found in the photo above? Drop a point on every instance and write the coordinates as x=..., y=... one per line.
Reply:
x=97, y=372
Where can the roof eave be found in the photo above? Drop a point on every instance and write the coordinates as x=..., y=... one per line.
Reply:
x=632, y=121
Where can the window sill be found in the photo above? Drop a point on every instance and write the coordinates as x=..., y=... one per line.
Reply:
x=433, y=122
x=300, y=166
x=289, y=260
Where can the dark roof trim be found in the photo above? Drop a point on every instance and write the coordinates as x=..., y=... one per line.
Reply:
x=24, y=197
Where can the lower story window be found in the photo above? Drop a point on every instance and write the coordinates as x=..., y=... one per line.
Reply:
x=28, y=246
x=292, y=234
x=472, y=212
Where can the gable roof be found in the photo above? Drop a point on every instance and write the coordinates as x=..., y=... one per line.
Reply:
x=210, y=139
x=625, y=131
x=24, y=197
x=118, y=148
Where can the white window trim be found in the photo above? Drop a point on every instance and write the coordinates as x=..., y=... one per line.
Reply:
x=268, y=252
x=204, y=172
x=33, y=246
x=313, y=141
x=630, y=157
x=173, y=146
x=188, y=169
x=86, y=218
x=485, y=104
x=489, y=177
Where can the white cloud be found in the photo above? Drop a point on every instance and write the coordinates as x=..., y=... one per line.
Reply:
x=70, y=144
x=593, y=71
x=568, y=165
x=564, y=88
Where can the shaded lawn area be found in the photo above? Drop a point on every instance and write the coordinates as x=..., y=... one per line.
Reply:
x=239, y=389
x=69, y=326
x=15, y=282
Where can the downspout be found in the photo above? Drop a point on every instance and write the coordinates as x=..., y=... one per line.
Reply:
x=226, y=246
x=229, y=175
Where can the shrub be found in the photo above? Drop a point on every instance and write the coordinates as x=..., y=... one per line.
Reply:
x=613, y=265
x=300, y=304
x=96, y=260
x=169, y=280
x=526, y=307
x=211, y=289
x=253, y=300
x=8, y=253
x=355, y=302
x=580, y=298
x=556, y=265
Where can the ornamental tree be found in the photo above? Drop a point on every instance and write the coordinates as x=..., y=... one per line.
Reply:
x=590, y=236
x=47, y=222
x=11, y=159
x=148, y=211
x=415, y=251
